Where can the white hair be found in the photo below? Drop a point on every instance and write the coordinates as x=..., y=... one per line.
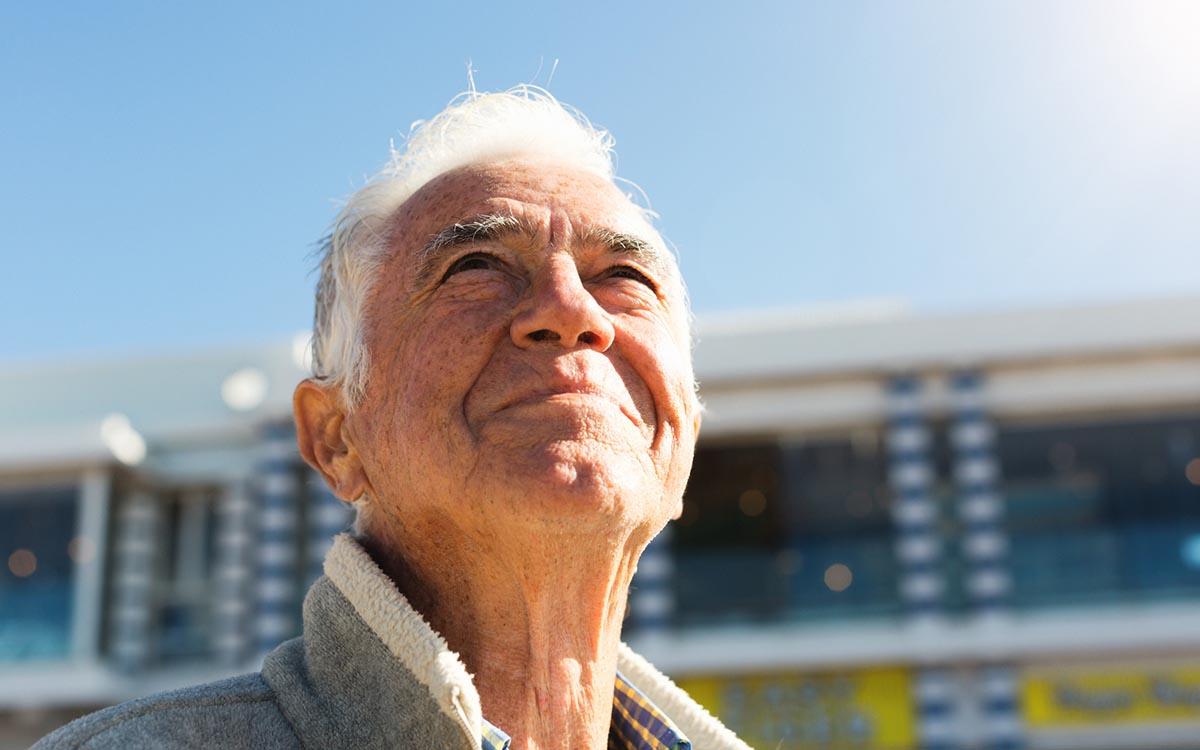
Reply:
x=473, y=128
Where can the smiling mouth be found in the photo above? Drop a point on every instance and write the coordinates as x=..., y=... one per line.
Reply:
x=571, y=399
x=563, y=399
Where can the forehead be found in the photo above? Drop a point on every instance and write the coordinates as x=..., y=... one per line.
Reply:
x=547, y=195
x=534, y=190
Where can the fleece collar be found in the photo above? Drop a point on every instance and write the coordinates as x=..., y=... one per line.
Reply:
x=424, y=653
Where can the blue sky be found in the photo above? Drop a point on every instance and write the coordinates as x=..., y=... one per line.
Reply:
x=166, y=167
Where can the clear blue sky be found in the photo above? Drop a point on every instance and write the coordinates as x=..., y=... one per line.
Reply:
x=166, y=167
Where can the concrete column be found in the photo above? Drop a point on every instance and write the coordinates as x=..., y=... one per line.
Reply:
x=651, y=601
x=233, y=573
x=984, y=540
x=138, y=535
x=278, y=564
x=328, y=516
x=89, y=564
x=919, y=551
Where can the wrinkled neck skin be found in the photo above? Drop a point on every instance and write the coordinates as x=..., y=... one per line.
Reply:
x=536, y=620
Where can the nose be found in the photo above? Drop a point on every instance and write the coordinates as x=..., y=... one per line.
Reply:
x=560, y=311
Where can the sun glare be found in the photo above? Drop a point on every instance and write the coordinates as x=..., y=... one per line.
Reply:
x=1156, y=46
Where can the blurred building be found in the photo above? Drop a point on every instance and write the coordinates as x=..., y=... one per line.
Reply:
x=956, y=531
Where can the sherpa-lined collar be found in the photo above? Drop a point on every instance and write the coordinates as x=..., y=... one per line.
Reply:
x=424, y=653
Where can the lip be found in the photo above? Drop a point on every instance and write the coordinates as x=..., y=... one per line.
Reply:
x=542, y=394
x=582, y=392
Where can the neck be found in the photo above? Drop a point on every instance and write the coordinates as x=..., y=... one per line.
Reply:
x=537, y=620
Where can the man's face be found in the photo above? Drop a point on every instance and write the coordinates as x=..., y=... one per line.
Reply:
x=528, y=356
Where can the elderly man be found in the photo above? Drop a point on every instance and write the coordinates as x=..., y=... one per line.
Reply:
x=504, y=390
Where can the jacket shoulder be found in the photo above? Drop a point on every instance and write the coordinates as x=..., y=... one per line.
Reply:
x=239, y=712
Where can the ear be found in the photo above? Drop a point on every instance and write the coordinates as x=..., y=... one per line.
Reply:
x=323, y=440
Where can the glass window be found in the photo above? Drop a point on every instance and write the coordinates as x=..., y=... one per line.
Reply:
x=840, y=529
x=1103, y=511
x=730, y=535
x=37, y=526
x=786, y=530
x=185, y=587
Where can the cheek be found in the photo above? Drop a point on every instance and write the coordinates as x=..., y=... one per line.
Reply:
x=425, y=367
x=663, y=365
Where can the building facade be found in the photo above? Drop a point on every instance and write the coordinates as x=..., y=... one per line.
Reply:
x=901, y=531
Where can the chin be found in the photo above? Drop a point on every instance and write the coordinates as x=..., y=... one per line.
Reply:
x=578, y=479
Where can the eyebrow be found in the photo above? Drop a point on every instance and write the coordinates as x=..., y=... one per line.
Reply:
x=477, y=229
x=490, y=227
x=630, y=246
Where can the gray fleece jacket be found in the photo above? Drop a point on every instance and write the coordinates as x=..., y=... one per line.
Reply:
x=368, y=672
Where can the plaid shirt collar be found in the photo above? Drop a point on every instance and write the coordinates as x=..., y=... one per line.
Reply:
x=637, y=724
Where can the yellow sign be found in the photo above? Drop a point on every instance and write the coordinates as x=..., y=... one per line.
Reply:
x=837, y=711
x=1075, y=698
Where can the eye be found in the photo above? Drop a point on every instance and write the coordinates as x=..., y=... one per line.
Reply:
x=473, y=262
x=629, y=272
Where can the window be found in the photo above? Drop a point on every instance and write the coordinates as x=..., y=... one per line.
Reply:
x=1103, y=511
x=842, y=535
x=731, y=534
x=37, y=528
x=786, y=530
x=185, y=594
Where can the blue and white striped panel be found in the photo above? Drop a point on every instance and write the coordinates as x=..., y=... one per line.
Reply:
x=278, y=564
x=984, y=540
x=1001, y=727
x=233, y=572
x=652, y=602
x=327, y=517
x=987, y=579
x=137, y=549
x=918, y=542
x=939, y=720
x=919, y=551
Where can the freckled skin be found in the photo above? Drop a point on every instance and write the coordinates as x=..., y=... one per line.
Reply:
x=528, y=425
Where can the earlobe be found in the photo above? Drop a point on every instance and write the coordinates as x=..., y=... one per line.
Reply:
x=322, y=440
